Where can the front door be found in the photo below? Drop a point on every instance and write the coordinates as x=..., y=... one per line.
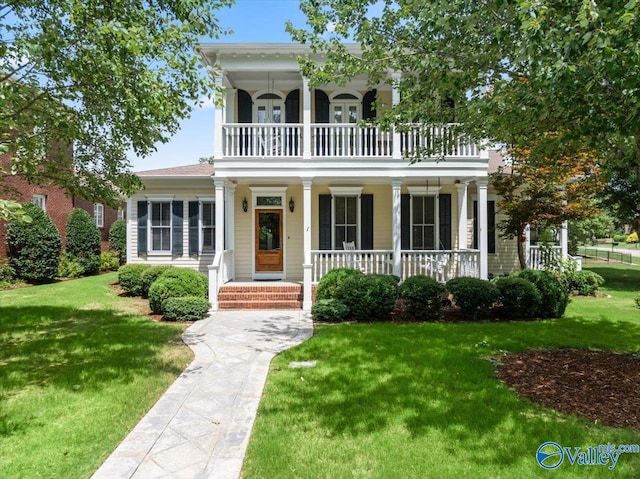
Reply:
x=268, y=240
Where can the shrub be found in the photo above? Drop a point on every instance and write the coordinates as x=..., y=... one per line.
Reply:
x=518, y=297
x=620, y=238
x=368, y=297
x=474, y=297
x=189, y=308
x=176, y=283
x=130, y=278
x=69, y=267
x=329, y=311
x=150, y=275
x=555, y=296
x=329, y=282
x=118, y=239
x=83, y=241
x=585, y=282
x=109, y=261
x=34, y=248
x=422, y=297
x=7, y=273
x=632, y=238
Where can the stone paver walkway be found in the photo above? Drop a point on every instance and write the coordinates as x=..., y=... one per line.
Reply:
x=200, y=427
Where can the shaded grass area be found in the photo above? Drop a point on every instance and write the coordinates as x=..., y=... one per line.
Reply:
x=422, y=400
x=79, y=366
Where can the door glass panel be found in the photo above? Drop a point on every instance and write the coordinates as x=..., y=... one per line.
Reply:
x=276, y=114
x=262, y=114
x=269, y=231
x=353, y=114
x=337, y=114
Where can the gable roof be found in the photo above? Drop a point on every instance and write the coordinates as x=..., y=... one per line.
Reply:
x=201, y=170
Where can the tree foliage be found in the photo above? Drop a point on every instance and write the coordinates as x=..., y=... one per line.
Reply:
x=98, y=79
x=83, y=241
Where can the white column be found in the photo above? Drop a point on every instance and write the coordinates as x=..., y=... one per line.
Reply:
x=218, y=120
x=231, y=221
x=395, y=100
x=229, y=106
x=463, y=241
x=483, y=237
x=396, y=184
x=306, y=120
x=527, y=243
x=564, y=240
x=130, y=226
x=307, y=265
x=220, y=230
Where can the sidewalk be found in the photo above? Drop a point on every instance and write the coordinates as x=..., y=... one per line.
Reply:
x=200, y=427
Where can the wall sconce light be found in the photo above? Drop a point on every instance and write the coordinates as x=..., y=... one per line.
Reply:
x=245, y=205
x=292, y=205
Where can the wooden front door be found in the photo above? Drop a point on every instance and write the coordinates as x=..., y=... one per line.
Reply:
x=268, y=240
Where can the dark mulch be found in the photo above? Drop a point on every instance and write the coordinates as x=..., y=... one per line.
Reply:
x=601, y=386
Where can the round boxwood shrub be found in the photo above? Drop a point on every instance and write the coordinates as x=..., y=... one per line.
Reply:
x=585, y=282
x=327, y=285
x=555, y=296
x=176, y=283
x=150, y=275
x=130, y=277
x=422, y=297
x=518, y=299
x=83, y=241
x=34, y=248
x=329, y=311
x=474, y=297
x=118, y=239
x=189, y=308
x=368, y=297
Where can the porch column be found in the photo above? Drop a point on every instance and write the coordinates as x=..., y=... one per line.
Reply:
x=463, y=242
x=483, y=238
x=219, y=185
x=396, y=184
x=395, y=100
x=230, y=222
x=306, y=119
x=527, y=244
x=230, y=112
x=218, y=120
x=306, y=225
x=564, y=240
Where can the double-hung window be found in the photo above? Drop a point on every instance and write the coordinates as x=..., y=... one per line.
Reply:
x=98, y=214
x=423, y=225
x=207, y=227
x=40, y=201
x=346, y=220
x=160, y=226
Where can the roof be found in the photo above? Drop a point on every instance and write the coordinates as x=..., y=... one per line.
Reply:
x=201, y=170
x=496, y=160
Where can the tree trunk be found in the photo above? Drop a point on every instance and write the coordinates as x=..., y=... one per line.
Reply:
x=521, y=257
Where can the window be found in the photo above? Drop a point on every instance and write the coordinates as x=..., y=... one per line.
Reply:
x=346, y=220
x=98, y=214
x=120, y=213
x=423, y=222
x=40, y=201
x=207, y=227
x=491, y=225
x=160, y=226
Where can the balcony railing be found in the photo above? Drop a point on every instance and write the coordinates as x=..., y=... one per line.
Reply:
x=276, y=140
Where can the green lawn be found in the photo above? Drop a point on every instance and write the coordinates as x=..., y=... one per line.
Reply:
x=79, y=367
x=422, y=400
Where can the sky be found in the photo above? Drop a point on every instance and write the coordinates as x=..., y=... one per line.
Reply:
x=251, y=21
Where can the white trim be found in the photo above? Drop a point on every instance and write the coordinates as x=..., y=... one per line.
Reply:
x=201, y=252
x=436, y=219
x=159, y=197
x=98, y=207
x=343, y=91
x=424, y=190
x=346, y=190
x=150, y=250
x=264, y=91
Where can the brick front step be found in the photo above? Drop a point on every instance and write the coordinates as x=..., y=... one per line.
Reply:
x=256, y=296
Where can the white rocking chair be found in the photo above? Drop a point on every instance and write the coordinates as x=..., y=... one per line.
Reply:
x=353, y=259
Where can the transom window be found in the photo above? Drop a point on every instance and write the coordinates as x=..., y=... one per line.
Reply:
x=346, y=220
x=423, y=224
x=160, y=226
x=207, y=227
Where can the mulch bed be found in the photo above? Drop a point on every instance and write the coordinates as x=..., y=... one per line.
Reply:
x=601, y=386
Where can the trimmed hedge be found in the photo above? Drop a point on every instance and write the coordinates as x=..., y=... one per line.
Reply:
x=130, y=277
x=118, y=239
x=83, y=241
x=474, y=297
x=188, y=308
x=34, y=248
x=368, y=297
x=328, y=284
x=329, y=311
x=555, y=296
x=150, y=275
x=584, y=282
x=176, y=283
x=422, y=297
x=519, y=298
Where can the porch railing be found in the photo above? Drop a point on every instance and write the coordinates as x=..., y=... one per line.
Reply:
x=262, y=140
x=540, y=257
x=220, y=272
x=347, y=141
x=441, y=140
x=440, y=265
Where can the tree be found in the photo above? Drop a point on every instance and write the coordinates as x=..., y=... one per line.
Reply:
x=544, y=187
x=516, y=70
x=83, y=241
x=97, y=79
x=118, y=239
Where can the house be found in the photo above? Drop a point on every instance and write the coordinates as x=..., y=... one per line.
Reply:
x=301, y=186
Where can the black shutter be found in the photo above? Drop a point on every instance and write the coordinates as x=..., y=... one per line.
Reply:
x=177, y=208
x=405, y=221
x=324, y=217
x=368, y=107
x=366, y=218
x=475, y=225
x=194, y=241
x=142, y=227
x=245, y=107
x=292, y=107
x=321, y=107
x=445, y=221
x=491, y=225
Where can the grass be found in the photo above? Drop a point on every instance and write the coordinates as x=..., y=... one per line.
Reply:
x=79, y=367
x=422, y=400
x=606, y=254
